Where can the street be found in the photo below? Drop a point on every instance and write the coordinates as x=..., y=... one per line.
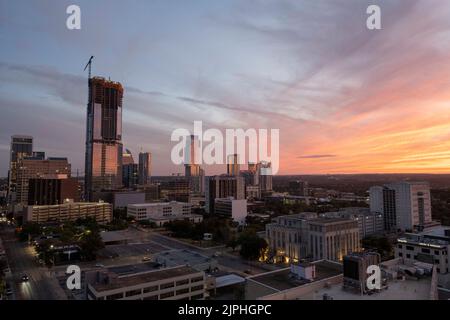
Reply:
x=42, y=285
x=45, y=284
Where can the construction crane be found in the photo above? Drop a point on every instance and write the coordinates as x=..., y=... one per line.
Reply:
x=89, y=64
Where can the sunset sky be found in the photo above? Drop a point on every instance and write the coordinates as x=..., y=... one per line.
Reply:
x=346, y=99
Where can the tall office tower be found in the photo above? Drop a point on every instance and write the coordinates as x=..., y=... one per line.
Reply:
x=130, y=175
x=194, y=174
x=404, y=205
x=130, y=170
x=103, y=165
x=30, y=168
x=264, y=174
x=21, y=147
x=233, y=167
x=145, y=168
x=223, y=187
x=192, y=151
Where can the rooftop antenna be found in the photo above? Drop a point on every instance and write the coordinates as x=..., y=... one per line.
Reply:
x=89, y=64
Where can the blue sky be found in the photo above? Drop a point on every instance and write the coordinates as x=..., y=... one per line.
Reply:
x=309, y=68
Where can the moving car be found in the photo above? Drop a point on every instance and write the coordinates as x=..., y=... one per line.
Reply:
x=25, y=278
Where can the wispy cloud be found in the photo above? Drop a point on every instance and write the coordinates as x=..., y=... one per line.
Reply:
x=317, y=156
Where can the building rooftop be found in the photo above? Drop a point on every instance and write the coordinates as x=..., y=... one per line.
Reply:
x=283, y=279
x=397, y=290
x=156, y=204
x=170, y=217
x=133, y=269
x=129, y=277
x=228, y=280
x=68, y=204
x=325, y=220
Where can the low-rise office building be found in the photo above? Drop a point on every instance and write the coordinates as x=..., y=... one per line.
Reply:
x=124, y=198
x=145, y=282
x=287, y=237
x=163, y=212
x=332, y=239
x=70, y=211
x=432, y=247
x=304, y=236
x=229, y=207
x=369, y=223
x=327, y=283
x=172, y=258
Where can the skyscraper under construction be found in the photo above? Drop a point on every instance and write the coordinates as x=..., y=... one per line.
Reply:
x=103, y=165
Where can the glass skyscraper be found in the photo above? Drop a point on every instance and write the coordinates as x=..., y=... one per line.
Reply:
x=21, y=147
x=103, y=166
x=145, y=168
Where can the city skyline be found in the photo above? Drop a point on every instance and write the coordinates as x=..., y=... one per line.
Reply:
x=346, y=99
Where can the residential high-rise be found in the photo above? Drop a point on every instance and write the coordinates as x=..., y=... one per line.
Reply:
x=223, y=187
x=404, y=205
x=103, y=166
x=233, y=167
x=145, y=168
x=21, y=147
x=30, y=168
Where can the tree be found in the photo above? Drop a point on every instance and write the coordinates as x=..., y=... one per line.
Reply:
x=252, y=246
x=45, y=251
x=30, y=229
x=233, y=243
x=181, y=228
x=91, y=242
